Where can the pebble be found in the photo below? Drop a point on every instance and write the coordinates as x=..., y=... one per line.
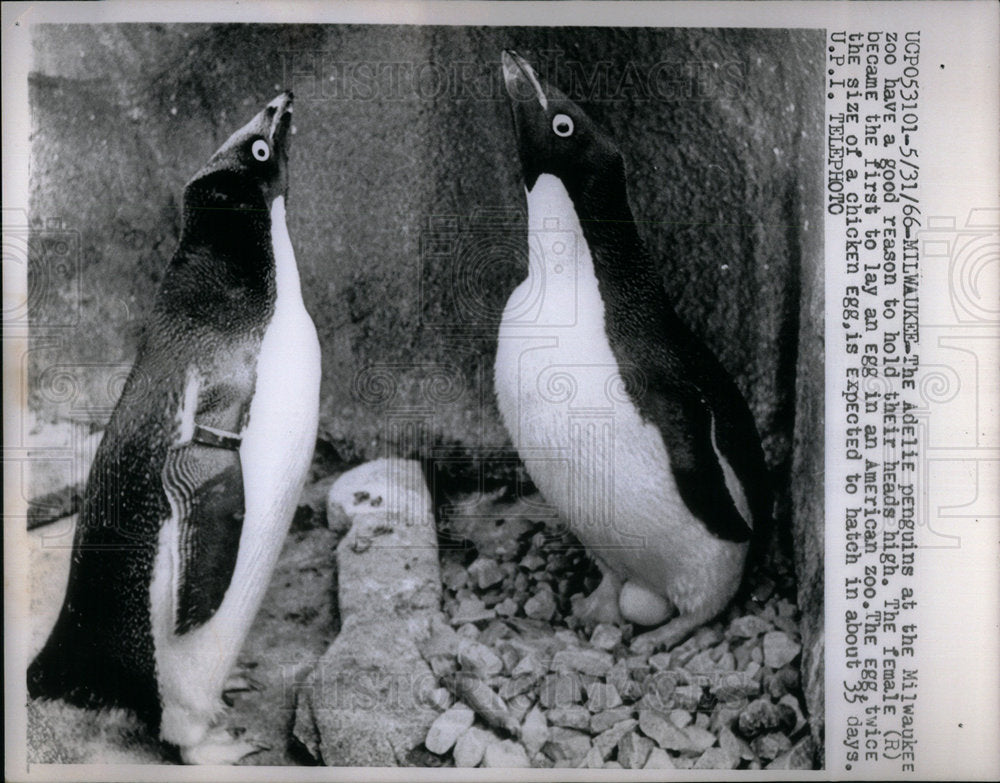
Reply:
x=529, y=665
x=453, y=576
x=534, y=731
x=633, y=750
x=573, y=717
x=726, y=662
x=560, y=690
x=782, y=681
x=509, y=656
x=658, y=690
x=448, y=727
x=681, y=718
x=440, y=698
x=468, y=631
x=687, y=697
x=443, y=641
x=567, y=637
x=620, y=677
x=495, y=631
x=519, y=706
x=717, y=758
x=566, y=744
x=779, y=649
x=482, y=698
x=799, y=757
x=707, y=636
x=516, y=686
x=594, y=662
x=734, y=687
x=602, y=696
x=659, y=759
x=540, y=606
x=702, y=663
x=699, y=739
x=486, y=572
x=505, y=754
x=683, y=652
x=748, y=627
x=606, y=637
x=660, y=661
x=506, y=608
x=592, y=760
x=469, y=748
x=761, y=716
x=479, y=659
x=770, y=746
x=742, y=653
x=734, y=745
x=521, y=583
x=661, y=731
x=724, y=716
x=606, y=741
x=602, y=721
x=471, y=610
x=788, y=700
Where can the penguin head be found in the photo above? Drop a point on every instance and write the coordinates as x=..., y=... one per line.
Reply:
x=251, y=165
x=554, y=135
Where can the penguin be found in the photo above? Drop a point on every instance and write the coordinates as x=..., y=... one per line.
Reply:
x=624, y=420
x=199, y=471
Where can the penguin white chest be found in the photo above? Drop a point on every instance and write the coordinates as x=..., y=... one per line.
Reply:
x=561, y=395
x=275, y=453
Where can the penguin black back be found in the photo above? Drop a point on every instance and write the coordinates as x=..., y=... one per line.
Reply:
x=209, y=316
x=674, y=381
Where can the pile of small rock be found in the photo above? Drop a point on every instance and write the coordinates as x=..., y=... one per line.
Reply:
x=522, y=684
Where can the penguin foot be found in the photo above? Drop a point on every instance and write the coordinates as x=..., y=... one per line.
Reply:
x=667, y=636
x=219, y=746
x=601, y=606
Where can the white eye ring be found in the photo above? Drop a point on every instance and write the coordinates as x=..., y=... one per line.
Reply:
x=562, y=125
x=260, y=150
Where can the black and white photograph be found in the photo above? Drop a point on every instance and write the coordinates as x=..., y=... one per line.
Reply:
x=431, y=391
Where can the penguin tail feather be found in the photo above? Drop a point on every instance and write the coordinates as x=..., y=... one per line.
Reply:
x=54, y=675
x=51, y=677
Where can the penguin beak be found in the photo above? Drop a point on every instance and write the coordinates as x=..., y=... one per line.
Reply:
x=528, y=105
x=520, y=80
x=280, y=111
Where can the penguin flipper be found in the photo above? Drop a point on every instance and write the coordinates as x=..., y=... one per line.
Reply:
x=705, y=479
x=205, y=488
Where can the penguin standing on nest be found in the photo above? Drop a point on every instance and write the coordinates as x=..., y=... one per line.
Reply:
x=196, y=479
x=625, y=421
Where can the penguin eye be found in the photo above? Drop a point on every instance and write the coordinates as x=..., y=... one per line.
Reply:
x=562, y=125
x=260, y=150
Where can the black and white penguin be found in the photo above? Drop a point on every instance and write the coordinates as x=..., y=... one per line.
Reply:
x=623, y=419
x=196, y=479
